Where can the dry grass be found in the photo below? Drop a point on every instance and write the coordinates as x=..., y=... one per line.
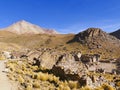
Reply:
x=36, y=84
x=12, y=41
x=30, y=80
x=86, y=88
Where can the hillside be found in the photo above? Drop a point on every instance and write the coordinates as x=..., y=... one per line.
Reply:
x=116, y=34
x=98, y=41
x=90, y=41
x=56, y=61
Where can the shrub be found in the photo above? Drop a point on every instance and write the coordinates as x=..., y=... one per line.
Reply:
x=86, y=88
x=10, y=77
x=19, y=71
x=20, y=79
x=50, y=78
x=56, y=79
x=72, y=84
x=36, y=76
x=60, y=87
x=2, y=57
x=29, y=87
x=66, y=88
x=36, y=84
x=99, y=88
x=107, y=87
x=43, y=77
x=118, y=84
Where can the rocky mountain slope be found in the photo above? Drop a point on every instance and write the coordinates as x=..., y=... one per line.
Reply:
x=23, y=27
x=116, y=34
x=97, y=40
x=56, y=61
x=92, y=40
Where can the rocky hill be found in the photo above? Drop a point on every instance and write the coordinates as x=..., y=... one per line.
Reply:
x=23, y=27
x=97, y=40
x=116, y=34
x=91, y=41
x=62, y=62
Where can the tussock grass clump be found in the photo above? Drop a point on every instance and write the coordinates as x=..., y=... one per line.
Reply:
x=10, y=77
x=50, y=78
x=56, y=79
x=118, y=83
x=2, y=57
x=33, y=78
x=34, y=68
x=43, y=77
x=36, y=84
x=40, y=76
x=29, y=87
x=86, y=88
x=73, y=84
x=20, y=79
x=19, y=71
x=107, y=87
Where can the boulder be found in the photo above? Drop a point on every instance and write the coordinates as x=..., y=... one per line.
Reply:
x=85, y=80
x=33, y=55
x=7, y=54
x=48, y=59
x=88, y=58
x=68, y=67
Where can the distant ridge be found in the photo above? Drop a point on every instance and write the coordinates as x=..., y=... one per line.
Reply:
x=116, y=33
x=24, y=27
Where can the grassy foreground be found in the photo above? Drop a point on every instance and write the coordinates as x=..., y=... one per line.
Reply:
x=32, y=77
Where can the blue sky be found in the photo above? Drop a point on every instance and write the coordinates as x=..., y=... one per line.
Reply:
x=65, y=16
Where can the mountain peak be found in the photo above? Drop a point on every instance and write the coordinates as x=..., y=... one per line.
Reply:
x=24, y=27
x=92, y=35
x=92, y=32
x=22, y=21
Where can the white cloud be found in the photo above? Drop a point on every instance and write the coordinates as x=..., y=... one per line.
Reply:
x=111, y=27
x=106, y=25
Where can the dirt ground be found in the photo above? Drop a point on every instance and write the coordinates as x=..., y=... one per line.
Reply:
x=5, y=83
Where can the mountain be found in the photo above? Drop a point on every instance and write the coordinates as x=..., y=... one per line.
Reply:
x=23, y=27
x=90, y=41
x=89, y=33
x=96, y=40
x=116, y=34
x=93, y=35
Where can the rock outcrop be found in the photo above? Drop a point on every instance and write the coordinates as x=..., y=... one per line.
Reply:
x=97, y=41
x=65, y=64
x=68, y=67
x=48, y=59
x=91, y=32
x=71, y=65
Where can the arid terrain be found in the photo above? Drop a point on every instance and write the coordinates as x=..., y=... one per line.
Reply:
x=42, y=59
